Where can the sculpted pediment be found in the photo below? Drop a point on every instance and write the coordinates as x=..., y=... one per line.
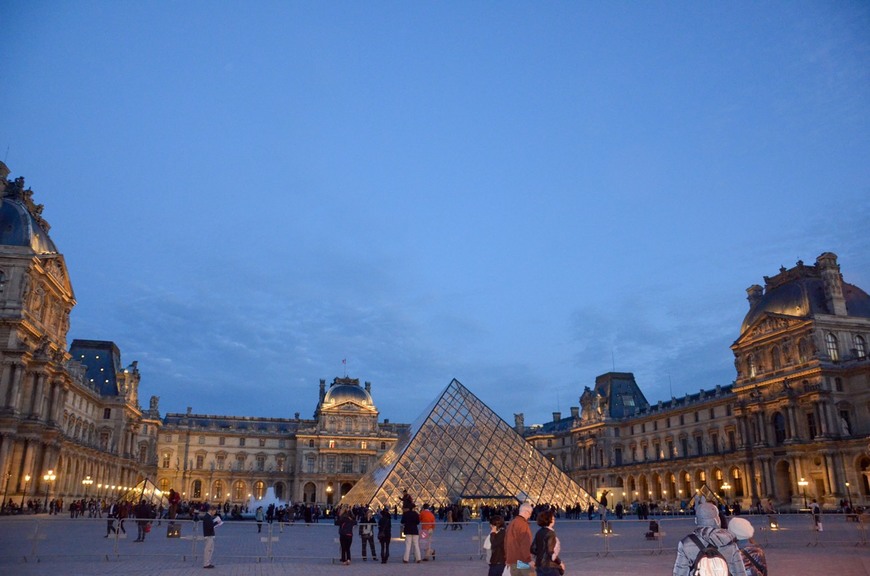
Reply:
x=769, y=324
x=55, y=267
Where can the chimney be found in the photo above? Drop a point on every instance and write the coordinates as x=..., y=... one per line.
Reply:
x=575, y=412
x=519, y=423
x=322, y=389
x=557, y=416
x=369, y=387
x=754, y=294
x=830, y=272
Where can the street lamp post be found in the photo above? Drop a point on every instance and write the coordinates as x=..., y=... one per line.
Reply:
x=803, y=484
x=24, y=492
x=87, y=484
x=5, y=492
x=49, y=477
x=849, y=495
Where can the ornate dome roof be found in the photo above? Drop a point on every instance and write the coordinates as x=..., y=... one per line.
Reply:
x=346, y=390
x=800, y=292
x=21, y=223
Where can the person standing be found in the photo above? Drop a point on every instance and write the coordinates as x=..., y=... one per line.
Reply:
x=259, y=517
x=209, y=523
x=143, y=518
x=753, y=555
x=385, y=533
x=411, y=526
x=367, y=533
x=427, y=532
x=496, y=545
x=518, y=543
x=546, y=546
x=707, y=533
x=345, y=523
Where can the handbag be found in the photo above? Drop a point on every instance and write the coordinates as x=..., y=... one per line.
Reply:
x=148, y=528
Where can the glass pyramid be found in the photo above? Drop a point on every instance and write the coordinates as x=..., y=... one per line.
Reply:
x=459, y=450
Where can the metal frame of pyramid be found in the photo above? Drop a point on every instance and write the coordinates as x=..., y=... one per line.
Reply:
x=460, y=450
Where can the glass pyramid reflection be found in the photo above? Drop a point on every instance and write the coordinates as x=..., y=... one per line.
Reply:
x=460, y=450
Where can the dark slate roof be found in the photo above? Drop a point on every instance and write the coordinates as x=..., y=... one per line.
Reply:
x=102, y=361
x=800, y=292
x=18, y=227
x=624, y=397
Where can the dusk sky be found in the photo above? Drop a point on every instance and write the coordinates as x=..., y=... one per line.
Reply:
x=518, y=195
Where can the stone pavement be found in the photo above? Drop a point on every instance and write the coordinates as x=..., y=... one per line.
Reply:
x=43, y=546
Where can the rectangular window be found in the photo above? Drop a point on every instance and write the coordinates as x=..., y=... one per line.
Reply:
x=699, y=445
x=682, y=419
x=241, y=441
x=281, y=443
x=617, y=456
x=811, y=424
x=240, y=462
x=310, y=465
x=107, y=413
x=280, y=462
x=732, y=441
x=657, y=448
x=363, y=464
x=200, y=460
x=615, y=433
x=167, y=437
x=697, y=417
x=261, y=463
x=684, y=446
x=166, y=458
x=714, y=438
x=222, y=441
x=332, y=443
x=262, y=442
x=202, y=439
x=330, y=463
x=363, y=445
x=668, y=423
x=713, y=413
x=655, y=425
x=671, y=452
x=220, y=462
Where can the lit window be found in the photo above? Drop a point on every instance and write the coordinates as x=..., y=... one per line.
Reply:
x=831, y=344
x=860, y=348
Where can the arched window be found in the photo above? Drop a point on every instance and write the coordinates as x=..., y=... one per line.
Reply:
x=860, y=347
x=239, y=490
x=833, y=349
x=218, y=490
x=259, y=489
x=348, y=424
x=164, y=485
x=197, y=489
x=751, y=366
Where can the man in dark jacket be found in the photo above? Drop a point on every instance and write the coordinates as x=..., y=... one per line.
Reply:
x=411, y=525
x=385, y=533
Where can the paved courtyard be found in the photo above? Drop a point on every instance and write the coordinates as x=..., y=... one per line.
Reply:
x=41, y=545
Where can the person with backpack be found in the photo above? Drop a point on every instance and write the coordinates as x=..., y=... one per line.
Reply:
x=752, y=554
x=709, y=550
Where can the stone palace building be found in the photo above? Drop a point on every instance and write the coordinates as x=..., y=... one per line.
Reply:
x=795, y=422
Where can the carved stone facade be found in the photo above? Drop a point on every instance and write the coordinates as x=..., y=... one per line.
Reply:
x=795, y=423
x=53, y=416
x=233, y=458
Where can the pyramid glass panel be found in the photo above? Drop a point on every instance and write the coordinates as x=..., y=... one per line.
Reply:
x=459, y=450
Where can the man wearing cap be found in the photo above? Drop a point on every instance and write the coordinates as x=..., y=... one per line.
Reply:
x=752, y=554
x=708, y=532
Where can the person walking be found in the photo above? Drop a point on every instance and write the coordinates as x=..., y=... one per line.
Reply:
x=752, y=554
x=411, y=526
x=210, y=521
x=345, y=523
x=496, y=545
x=385, y=533
x=518, y=543
x=690, y=549
x=546, y=546
x=110, y=519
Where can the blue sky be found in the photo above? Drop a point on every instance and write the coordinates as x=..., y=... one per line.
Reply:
x=518, y=195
